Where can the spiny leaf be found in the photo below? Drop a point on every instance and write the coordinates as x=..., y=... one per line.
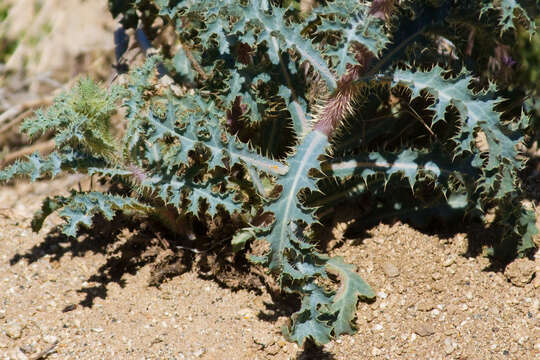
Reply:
x=256, y=21
x=408, y=163
x=298, y=109
x=48, y=206
x=208, y=135
x=34, y=167
x=351, y=20
x=308, y=322
x=288, y=207
x=140, y=82
x=344, y=301
x=182, y=64
x=80, y=208
x=80, y=118
x=477, y=114
x=279, y=35
x=171, y=189
x=510, y=11
x=526, y=229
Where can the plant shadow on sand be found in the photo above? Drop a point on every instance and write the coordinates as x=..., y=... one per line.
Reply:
x=128, y=246
x=312, y=351
x=350, y=224
x=126, y=250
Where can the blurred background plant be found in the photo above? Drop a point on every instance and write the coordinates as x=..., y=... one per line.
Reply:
x=44, y=45
x=528, y=79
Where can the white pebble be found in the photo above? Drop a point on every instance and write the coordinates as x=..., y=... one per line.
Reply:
x=199, y=353
x=50, y=339
x=14, y=330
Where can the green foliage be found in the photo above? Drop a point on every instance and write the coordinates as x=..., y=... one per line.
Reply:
x=527, y=77
x=81, y=118
x=510, y=13
x=273, y=116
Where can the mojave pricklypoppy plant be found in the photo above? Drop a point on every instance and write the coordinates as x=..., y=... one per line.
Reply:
x=272, y=113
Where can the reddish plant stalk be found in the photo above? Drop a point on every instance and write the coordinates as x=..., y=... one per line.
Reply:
x=340, y=105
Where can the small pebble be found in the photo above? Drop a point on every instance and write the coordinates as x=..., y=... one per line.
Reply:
x=424, y=330
x=264, y=340
x=76, y=323
x=369, y=317
x=390, y=270
x=376, y=351
x=272, y=349
x=17, y=354
x=50, y=339
x=158, y=339
x=449, y=261
x=69, y=308
x=379, y=240
x=199, y=353
x=535, y=306
x=14, y=330
x=448, y=346
x=436, y=276
x=246, y=313
x=28, y=349
x=98, y=330
x=536, y=282
x=520, y=272
x=425, y=305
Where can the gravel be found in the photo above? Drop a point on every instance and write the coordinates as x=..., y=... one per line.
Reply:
x=466, y=311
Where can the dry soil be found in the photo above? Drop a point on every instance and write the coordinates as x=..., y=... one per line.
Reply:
x=91, y=299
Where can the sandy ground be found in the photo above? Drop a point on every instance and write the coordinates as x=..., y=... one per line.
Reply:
x=91, y=299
